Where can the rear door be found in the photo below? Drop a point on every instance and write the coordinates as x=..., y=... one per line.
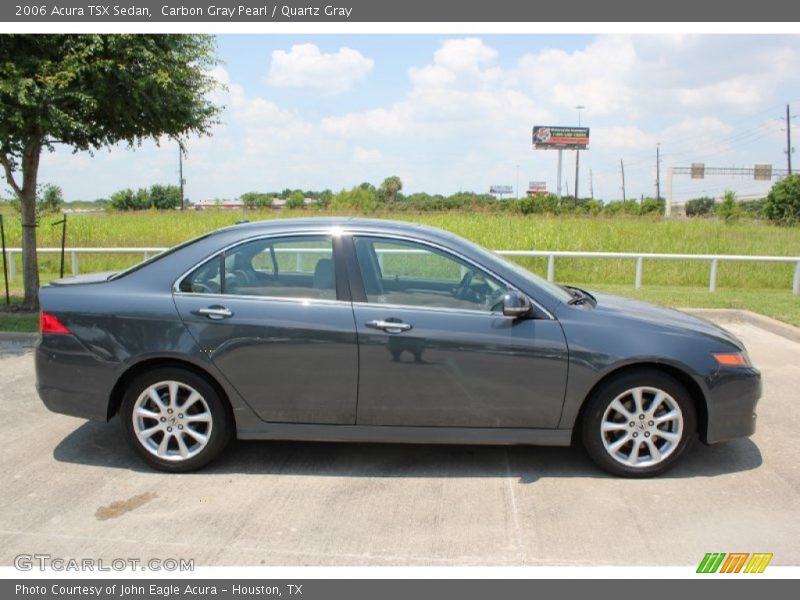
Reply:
x=274, y=315
x=436, y=350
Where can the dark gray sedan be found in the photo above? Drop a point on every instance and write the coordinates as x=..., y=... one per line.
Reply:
x=367, y=330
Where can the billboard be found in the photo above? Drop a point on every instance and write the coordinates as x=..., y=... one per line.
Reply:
x=762, y=172
x=501, y=189
x=547, y=137
x=537, y=187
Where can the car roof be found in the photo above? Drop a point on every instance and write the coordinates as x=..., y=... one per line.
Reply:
x=346, y=223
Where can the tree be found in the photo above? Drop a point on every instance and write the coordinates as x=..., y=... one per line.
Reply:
x=359, y=198
x=122, y=200
x=92, y=91
x=52, y=198
x=165, y=197
x=699, y=207
x=728, y=210
x=390, y=187
x=324, y=199
x=652, y=206
x=254, y=200
x=783, y=201
x=296, y=199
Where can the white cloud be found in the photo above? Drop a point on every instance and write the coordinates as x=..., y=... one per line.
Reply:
x=366, y=155
x=305, y=66
x=462, y=90
x=739, y=92
x=600, y=76
x=626, y=137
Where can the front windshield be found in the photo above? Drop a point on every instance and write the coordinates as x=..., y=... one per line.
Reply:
x=556, y=291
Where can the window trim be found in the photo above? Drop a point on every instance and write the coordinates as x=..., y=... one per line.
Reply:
x=342, y=287
x=360, y=292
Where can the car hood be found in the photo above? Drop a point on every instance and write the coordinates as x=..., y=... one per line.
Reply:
x=660, y=316
x=87, y=278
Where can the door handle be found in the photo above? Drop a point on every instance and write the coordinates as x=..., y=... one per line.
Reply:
x=388, y=326
x=214, y=312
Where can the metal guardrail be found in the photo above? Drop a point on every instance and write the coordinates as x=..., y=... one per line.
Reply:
x=713, y=259
x=551, y=255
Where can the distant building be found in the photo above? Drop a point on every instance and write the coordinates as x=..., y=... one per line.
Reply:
x=219, y=204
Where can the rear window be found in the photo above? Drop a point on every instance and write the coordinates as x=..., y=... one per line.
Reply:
x=158, y=257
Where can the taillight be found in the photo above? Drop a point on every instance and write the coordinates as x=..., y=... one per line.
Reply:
x=50, y=324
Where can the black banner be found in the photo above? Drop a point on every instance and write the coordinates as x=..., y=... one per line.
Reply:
x=464, y=11
x=418, y=589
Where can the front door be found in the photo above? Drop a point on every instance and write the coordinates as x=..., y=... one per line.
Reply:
x=268, y=314
x=435, y=349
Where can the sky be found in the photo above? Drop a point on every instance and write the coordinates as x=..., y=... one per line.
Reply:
x=449, y=113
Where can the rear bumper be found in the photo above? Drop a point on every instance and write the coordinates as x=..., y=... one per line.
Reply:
x=70, y=379
x=733, y=396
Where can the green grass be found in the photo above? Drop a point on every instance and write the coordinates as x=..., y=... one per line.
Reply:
x=19, y=322
x=16, y=321
x=778, y=304
x=496, y=231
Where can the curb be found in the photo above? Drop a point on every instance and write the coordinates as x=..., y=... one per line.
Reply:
x=780, y=328
x=11, y=342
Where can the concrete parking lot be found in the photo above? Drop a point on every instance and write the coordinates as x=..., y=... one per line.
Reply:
x=73, y=489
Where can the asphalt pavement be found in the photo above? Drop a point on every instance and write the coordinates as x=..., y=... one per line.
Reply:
x=73, y=489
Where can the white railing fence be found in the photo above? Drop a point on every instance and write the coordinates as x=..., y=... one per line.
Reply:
x=550, y=255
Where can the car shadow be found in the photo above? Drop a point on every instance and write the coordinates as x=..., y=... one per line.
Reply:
x=101, y=444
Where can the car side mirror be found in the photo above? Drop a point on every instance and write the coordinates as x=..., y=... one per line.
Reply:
x=516, y=304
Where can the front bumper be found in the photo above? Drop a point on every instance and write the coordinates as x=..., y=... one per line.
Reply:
x=733, y=394
x=70, y=379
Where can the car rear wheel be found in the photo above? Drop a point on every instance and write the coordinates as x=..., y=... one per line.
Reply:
x=638, y=424
x=174, y=419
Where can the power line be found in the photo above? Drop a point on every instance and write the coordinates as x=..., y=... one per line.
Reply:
x=683, y=148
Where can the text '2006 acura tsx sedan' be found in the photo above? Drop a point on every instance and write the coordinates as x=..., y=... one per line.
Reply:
x=367, y=330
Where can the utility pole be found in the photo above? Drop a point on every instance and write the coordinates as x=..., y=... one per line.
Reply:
x=517, y=194
x=622, y=168
x=580, y=107
x=560, y=161
x=788, y=141
x=658, y=171
x=591, y=184
x=180, y=170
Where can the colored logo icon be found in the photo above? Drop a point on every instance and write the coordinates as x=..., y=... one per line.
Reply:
x=734, y=562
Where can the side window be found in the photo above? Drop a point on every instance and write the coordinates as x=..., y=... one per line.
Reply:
x=413, y=274
x=295, y=267
x=205, y=279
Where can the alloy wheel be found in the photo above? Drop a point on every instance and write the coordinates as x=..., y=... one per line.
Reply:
x=172, y=420
x=642, y=427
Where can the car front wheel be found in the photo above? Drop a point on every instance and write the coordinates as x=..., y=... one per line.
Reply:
x=174, y=419
x=639, y=424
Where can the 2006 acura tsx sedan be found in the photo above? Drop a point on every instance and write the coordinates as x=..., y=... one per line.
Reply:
x=366, y=330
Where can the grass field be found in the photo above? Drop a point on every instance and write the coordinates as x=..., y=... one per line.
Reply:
x=761, y=287
x=496, y=231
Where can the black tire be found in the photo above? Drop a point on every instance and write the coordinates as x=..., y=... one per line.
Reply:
x=594, y=439
x=220, y=425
